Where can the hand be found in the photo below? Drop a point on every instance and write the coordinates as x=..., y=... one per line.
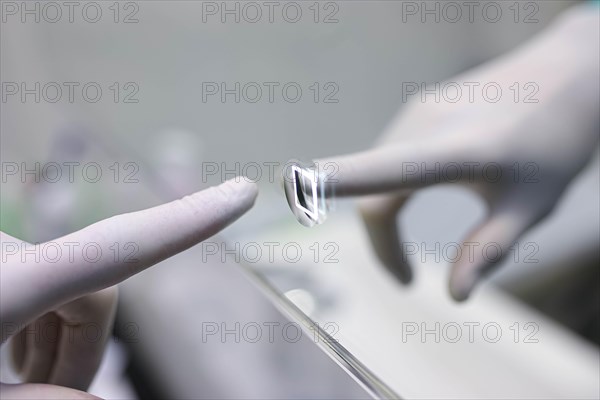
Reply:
x=537, y=148
x=76, y=290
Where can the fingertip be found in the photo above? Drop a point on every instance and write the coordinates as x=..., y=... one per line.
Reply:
x=223, y=203
x=403, y=273
x=241, y=188
x=459, y=295
x=461, y=286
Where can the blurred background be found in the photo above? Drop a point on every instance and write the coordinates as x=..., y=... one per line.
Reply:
x=161, y=97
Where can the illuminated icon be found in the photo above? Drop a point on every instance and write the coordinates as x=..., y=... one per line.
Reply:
x=299, y=179
x=305, y=192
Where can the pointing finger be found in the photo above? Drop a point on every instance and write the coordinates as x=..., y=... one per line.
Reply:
x=116, y=248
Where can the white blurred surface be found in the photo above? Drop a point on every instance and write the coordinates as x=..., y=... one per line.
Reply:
x=372, y=310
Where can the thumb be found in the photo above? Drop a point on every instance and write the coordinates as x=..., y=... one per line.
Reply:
x=41, y=391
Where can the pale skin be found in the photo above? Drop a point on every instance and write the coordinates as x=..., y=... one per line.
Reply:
x=559, y=134
x=72, y=293
x=550, y=141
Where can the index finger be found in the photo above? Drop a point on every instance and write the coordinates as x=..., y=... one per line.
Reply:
x=114, y=249
x=407, y=165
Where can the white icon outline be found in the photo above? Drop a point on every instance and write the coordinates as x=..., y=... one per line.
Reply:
x=315, y=201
